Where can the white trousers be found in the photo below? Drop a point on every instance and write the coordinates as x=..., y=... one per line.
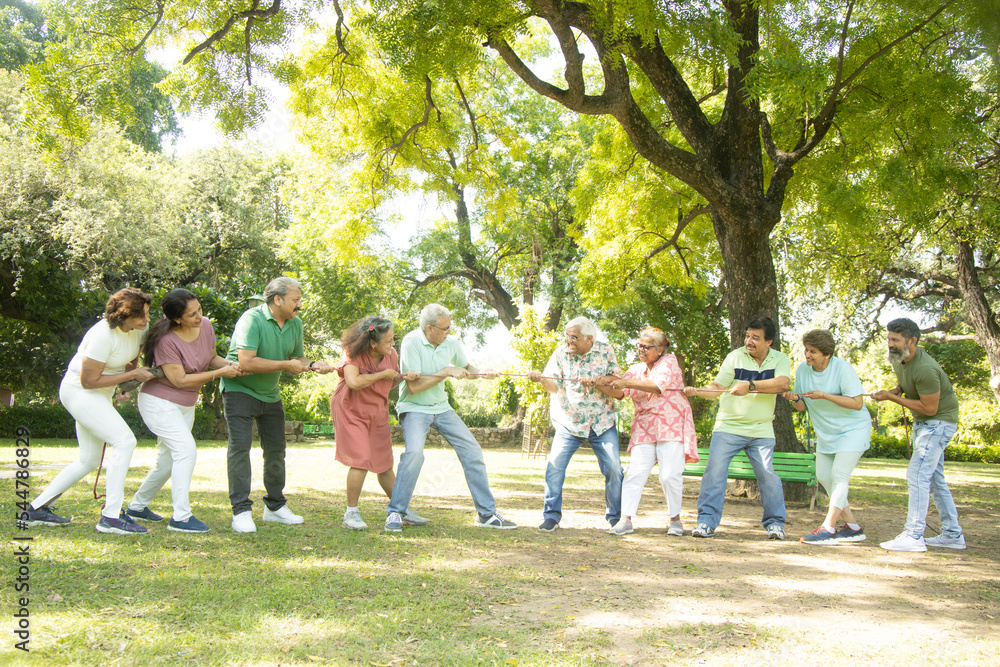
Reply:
x=97, y=422
x=172, y=425
x=670, y=456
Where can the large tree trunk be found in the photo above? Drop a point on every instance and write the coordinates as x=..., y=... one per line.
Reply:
x=981, y=316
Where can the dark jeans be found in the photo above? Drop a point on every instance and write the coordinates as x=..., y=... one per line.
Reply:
x=241, y=410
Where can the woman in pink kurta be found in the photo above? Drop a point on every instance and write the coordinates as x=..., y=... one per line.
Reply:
x=360, y=408
x=663, y=430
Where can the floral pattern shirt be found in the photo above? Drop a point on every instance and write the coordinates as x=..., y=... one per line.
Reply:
x=576, y=408
x=663, y=417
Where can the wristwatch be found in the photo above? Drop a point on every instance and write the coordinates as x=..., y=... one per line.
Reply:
x=753, y=387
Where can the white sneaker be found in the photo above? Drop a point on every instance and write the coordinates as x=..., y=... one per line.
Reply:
x=943, y=540
x=243, y=523
x=353, y=520
x=282, y=515
x=623, y=527
x=904, y=542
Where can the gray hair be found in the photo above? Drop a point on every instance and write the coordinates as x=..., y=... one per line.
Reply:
x=587, y=327
x=657, y=336
x=280, y=287
x=431, y=314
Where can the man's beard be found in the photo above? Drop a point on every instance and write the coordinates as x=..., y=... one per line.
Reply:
x=895, y=356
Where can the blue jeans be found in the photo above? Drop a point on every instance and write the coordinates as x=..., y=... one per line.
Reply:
x=712, y=496
x=925, y=476
x=605, y=447
x=470, y=455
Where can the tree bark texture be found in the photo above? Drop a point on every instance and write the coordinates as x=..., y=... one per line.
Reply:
x=981, y=316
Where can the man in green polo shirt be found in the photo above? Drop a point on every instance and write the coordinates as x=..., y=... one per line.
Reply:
x=926, y=391
x=746, y=385
x=267, y=341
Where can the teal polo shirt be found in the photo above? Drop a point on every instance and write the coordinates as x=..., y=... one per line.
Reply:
x=417, y=354
x=257, y=330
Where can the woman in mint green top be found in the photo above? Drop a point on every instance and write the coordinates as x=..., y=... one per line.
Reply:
x=829, y=388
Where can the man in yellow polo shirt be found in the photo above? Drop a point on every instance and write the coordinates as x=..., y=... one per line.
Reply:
x=267, y=341
x=746, y=385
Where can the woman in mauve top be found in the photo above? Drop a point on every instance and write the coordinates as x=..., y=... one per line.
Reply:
x=182, y=344
x=662, y=432
x=360, y=408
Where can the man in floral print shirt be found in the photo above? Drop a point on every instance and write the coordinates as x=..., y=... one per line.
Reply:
x=581, y=412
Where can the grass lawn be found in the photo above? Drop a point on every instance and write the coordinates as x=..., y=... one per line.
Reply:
x=448, y=593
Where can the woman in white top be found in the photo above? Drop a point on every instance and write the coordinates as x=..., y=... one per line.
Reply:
x=86, y=392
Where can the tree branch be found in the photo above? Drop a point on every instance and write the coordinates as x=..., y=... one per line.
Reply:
x=252, y=13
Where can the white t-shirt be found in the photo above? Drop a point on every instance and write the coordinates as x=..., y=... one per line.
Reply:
x=114, y=347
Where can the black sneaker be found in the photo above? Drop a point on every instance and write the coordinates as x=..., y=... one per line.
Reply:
x=192, y=525
x=495, y=520
x=123, y=525
x=145, y=514
x=548, y=525
x=43, y=516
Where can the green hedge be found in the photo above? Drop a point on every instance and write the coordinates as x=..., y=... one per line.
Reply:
x=890, y=447
x=52, y=421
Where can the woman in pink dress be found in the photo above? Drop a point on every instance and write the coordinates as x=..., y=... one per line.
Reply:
x=663, y=430
x=360, y=408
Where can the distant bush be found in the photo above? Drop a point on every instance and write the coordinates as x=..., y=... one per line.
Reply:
x=887, y=447
x=53, y=421
x=480, y=417
x=891, y=447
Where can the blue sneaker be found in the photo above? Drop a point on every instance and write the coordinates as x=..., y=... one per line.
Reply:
x=847, y=534
x=192, y=525
x=43, y=516
x=821, y=537
x=394, y=523
x=123, y=525
x=703, y=530
x=145, y=514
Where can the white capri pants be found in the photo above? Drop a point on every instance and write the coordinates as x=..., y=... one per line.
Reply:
x=172, y=425
x=834, y=472
x=97, y=422
x=670, y=456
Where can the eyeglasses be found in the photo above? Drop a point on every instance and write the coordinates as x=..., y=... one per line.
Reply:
x=643, y=348
x=574, y=338
x=448, y=330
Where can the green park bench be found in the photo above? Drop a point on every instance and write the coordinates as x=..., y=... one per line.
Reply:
x=317, y=429
x=789, y=466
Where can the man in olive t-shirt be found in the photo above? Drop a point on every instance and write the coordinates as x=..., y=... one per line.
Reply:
x=925, y=389
x=267, y=341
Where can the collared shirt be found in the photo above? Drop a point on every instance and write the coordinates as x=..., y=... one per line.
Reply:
x=576, y=408
x=258, y=330
x=416, y=353
x=663, y=417
x=752, y=415
x=922, y=376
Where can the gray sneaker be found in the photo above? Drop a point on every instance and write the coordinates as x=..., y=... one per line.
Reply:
x=943, y=540
x=623, y=527
x=775, y=532
x=43, y=516
x=703, y=530
x=496, y=520
x=676, y=529
x=548, y=525
x=353, y=520
x=394, y=523
x=411, y=518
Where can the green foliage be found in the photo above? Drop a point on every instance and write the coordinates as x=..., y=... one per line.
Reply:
x=888, y=447
x=534, y=344
x=963, y=361
x=505, y=399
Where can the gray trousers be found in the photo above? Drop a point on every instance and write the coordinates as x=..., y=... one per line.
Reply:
x=241, y=411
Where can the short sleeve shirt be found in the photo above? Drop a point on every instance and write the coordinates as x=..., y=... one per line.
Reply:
x=752, y=415
x=921, y=376
x=838, y=429
x=114, y=347
x=417, y=354
x=193, y=357
x=576, y=408
x=258, y=330
x=663, y=417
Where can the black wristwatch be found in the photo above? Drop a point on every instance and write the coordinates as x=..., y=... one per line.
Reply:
x=753, y=387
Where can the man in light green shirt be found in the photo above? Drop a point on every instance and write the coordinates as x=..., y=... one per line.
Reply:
x=423, y=403
x=747, y=384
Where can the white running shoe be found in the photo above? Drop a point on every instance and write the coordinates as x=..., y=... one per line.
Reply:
x=243, y=523
x=282, y=515
x=353, y=520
